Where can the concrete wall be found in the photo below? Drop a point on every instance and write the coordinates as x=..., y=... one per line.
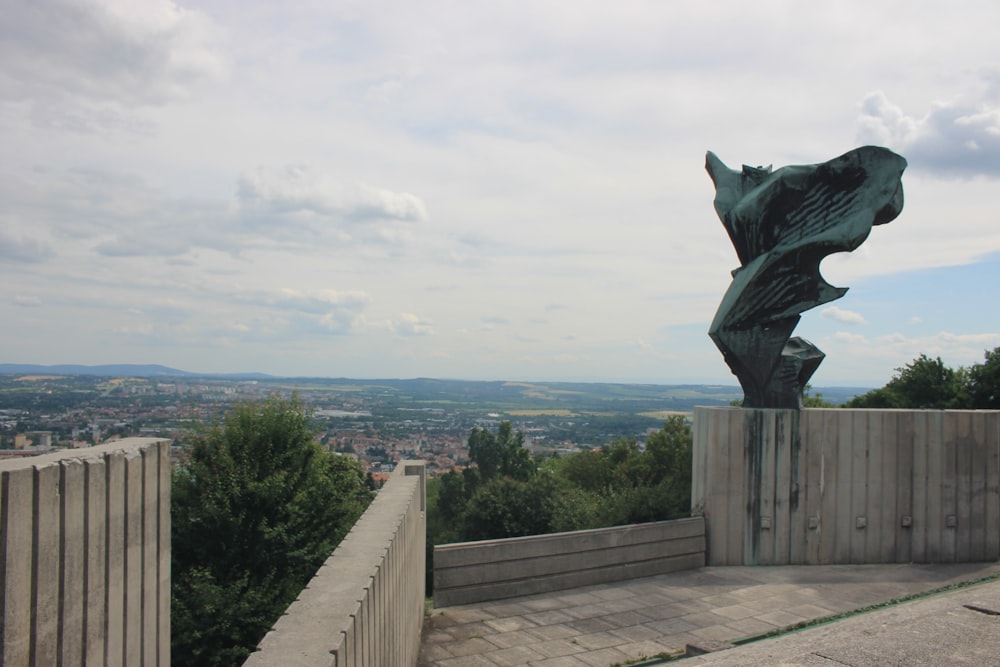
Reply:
x=847, y=486
x=365, y=606
x=494, y=569
x=85, y=556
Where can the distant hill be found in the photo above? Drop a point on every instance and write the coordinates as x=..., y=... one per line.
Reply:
x=565, y=394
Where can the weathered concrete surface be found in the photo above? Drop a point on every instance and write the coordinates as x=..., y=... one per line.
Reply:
x=365, y=605
x=625, y=621
x=81, y=551
x=495, y=569
x=938, y=630
x=823, y=486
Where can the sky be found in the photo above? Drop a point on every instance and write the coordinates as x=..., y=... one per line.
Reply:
x=476, y=190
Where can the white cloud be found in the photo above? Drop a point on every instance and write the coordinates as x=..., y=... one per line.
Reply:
x=841, y=315
x=27, y=301
x=83, y=64
x=308, y=192
x=408, y=324
x=956, y=139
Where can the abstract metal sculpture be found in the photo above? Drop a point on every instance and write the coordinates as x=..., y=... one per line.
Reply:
x=783, y=224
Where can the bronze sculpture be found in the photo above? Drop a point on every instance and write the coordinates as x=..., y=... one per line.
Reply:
x=782, y=224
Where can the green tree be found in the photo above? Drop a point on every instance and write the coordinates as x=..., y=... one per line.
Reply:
x=255, y=512
x=500, y=454
x=509, y=507
x=922, y=383
x=984, y=382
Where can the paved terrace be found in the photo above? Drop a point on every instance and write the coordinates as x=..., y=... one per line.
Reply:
x=608, y=624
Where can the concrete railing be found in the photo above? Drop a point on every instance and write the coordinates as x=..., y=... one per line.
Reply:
x=365, y=606
x=838, y=486
x=85, y=556
x=494, y=569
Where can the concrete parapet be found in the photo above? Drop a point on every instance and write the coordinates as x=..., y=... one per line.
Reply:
x=840, y=486
x=365, y=606
x=494, y=569
x=85, y=556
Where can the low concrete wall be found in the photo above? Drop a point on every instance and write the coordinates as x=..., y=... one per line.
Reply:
x=85, y=556
x=494, y=569
x=365, y=606
x=845, y=486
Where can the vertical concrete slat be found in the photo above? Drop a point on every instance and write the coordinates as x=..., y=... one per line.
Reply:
x=871, y=438
x=133, y=557
x=148, y=547
x=949, y=485
x=45, y=567
x=904, y=486
x=764, y=525
x=707, y=427
x=888, y=520
x=827, y=485
x=798, y=547
x=785, y=433
x=708, y=431
x=115, y=560
x=844, y=517
x=717, y=471
x=16, y=543
x=858, y=495
x=96, y=550
x=936, y=454
x=921, y=487
x=734, y=493
x=811, y=445
x=369, y=624
x=963, y=475
x=977, y=496
x=72, y=576
x=163, y=555
x=992, y=519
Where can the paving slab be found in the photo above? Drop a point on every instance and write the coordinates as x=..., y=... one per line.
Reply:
x=961, y=627
x=605, y=624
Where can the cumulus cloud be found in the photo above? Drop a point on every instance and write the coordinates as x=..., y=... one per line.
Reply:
x=841, y=315
x=27, y=301
x=958, y=139
x=308, y=193
x=82, y=64
x=317, y=311
x=409, y=324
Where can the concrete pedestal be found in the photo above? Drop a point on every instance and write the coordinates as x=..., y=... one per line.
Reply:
x=839, y=486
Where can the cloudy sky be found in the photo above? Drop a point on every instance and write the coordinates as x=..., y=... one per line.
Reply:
x=477, y=190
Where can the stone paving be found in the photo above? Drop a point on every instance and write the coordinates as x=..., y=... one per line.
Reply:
x=618, y=623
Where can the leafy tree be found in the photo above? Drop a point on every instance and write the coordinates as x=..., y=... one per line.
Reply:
x=669, y=451
x=256, y=511
x=501, y=453
x=922, y=383
x=587, y=470
x=509, y=507
x=984, y=382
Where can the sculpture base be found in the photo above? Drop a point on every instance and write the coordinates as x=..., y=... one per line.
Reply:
x=838, y=486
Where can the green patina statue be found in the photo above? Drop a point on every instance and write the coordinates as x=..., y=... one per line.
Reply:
x=783, y=224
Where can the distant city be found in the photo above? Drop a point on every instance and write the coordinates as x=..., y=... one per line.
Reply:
x=377, y=421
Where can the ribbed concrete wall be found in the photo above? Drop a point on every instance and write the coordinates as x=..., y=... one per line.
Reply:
x=494, y=569
x=85, y=556
x=847, y=486
x=365, y=606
